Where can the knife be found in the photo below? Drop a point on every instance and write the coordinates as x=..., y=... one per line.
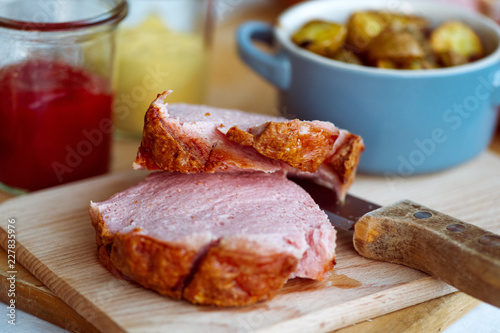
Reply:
x=407, y=233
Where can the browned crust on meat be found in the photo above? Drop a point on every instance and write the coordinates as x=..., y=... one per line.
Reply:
x=153, y=264
x=163, y=146
x=239, y=158
x=225, y=277
x=229, y=272
x=221, y=159
x=230, y=276
x=104, y=253
x=166, y=146
x=156, y=265
x=306, y=146
x=300, y=144
x=346, y=159
x=104, y=239
x=242, y=137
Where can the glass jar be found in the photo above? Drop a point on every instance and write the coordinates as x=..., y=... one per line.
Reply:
x=56, y=62
x=162, y=45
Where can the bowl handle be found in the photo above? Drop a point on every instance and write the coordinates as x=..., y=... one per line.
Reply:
x=273, y=67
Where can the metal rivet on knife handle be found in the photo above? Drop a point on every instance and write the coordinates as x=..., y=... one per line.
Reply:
x=455, y=228
x=490, y=240
x=422, y=215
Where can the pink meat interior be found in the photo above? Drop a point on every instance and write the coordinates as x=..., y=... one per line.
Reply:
x=197, y=209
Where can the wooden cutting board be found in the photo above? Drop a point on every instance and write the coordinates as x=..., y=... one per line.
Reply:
x=55, y=242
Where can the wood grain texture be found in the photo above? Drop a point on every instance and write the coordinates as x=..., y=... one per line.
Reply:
x=56, y=243
x=35, y=298
x=432, y=316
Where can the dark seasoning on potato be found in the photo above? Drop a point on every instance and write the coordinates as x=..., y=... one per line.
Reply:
x=392, y=41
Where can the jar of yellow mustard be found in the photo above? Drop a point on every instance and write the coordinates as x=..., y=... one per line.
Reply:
x=162, y=45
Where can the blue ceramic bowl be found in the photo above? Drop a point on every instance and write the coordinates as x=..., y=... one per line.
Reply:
x=412, y=122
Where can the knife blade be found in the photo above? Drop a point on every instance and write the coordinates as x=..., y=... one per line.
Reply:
x=407, y=233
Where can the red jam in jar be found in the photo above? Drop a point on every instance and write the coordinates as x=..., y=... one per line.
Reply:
x=55, y=124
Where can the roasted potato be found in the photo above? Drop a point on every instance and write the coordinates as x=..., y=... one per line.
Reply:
x=429, y=61
x=347, y=56
x=391, y=41
x=398, y=22
x=450, y=59
x=321, y=37
x=455, y=43
x=412, y=64
x=386, y=63
x=363, y=27
x=396, y=46
x=415, y=64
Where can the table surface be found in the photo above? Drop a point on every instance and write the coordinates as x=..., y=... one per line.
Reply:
x=226, y=88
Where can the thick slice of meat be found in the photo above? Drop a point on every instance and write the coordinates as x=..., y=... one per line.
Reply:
x=214, y=238
x=198, y=138
x=192, y=144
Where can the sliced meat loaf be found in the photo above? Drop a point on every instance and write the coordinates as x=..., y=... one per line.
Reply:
x=224, y=238
x=198, y=138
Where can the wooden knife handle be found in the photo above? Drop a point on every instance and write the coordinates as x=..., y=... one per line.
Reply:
x=461, y=254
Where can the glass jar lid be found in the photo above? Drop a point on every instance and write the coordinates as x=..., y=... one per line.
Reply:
x=58, y=15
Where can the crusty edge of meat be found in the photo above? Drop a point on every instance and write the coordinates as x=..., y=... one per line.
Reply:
x=239, y=273
x=301, y=144
x=165, y=150
x=339, y=169
x=161, y=266
x=335, y=154
x=104, y=256
x=219, y=274
x=165, y=146
x=344, y=162
x=156, y=265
